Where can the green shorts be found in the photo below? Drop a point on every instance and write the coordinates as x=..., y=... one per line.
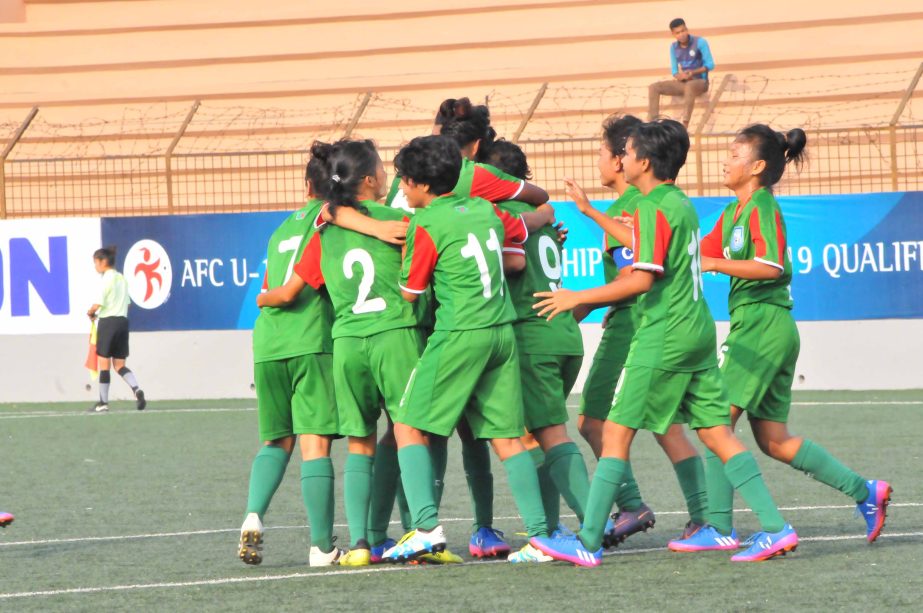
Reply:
x=372, y=372
x=653, y=399
x=457, y=366
x=295, y=396
x=608, y=362
x=758, y=360
x=546, y=382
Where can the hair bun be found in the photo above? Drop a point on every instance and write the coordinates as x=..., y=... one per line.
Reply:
x=793, y=143
x=321, y=150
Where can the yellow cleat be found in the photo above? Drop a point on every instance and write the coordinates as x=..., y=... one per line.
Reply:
x=356, y=557
x=443, y=557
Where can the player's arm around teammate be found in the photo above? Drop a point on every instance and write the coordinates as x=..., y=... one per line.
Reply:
x=666, y=374
x=758, y=358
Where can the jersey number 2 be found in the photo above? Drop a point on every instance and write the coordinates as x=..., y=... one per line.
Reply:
x=363, y=304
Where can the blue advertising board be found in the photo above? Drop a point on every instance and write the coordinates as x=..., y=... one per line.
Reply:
x=857, y=256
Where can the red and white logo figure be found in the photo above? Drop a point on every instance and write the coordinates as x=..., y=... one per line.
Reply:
x=149, y=274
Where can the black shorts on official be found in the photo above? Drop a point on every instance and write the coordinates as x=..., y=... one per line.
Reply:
x=112, y=337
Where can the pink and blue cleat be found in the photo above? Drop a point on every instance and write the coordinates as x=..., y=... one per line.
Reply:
x=568, y=548
x=6, y=519
x=765, y=545
x=378, y=551
x=705, y=538
x=488, y=543
x=875, y=508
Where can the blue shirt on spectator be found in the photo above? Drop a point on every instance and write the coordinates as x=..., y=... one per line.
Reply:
x=694, y=55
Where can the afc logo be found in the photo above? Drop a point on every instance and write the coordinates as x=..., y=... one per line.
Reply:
x=149, y=274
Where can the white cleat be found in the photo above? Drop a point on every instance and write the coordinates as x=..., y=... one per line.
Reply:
x=319, y=558
x=251, y=540
x=528, y=554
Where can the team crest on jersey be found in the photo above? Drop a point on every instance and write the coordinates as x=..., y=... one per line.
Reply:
x=461, y=209
x=300, y=215
x=149, y=274
x=737, y=238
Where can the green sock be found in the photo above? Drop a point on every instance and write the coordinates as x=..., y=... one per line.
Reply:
x=819, y=464
x=265, y=476
x=551, y=497
x=317, y=491
x=691, y=476
x=744, y=474
x=567, y=468
x=417, y=478
x=609, y=476
x=628, y=496
x=402, y=506
x=476, y=462
x=523, y=479
x=357, y=489
x=439, y=452
x=720, y=495
x=385, y=481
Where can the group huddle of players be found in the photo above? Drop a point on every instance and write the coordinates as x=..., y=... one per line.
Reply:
x=443, y=307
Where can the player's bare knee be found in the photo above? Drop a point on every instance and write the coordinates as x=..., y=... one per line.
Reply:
x=286, y=443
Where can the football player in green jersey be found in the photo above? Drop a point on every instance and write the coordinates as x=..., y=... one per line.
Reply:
x=456, y=244
x=749, y=244
x=620, y=324
x=671, y=367
x=294, y=388
x=376, y=334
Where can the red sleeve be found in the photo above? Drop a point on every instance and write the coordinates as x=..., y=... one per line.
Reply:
x=652, y=253
x=711, y=245
x=319, y=220
x=759, y=241
x=308, y=266
x=423, y=259
x=486, y=185
x=515, y=232
x=265, y=287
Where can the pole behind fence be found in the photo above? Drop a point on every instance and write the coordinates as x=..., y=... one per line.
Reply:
x=529, y=113
x=5, y=154
x=357, y=115
x=892, y=126
x=168, y=156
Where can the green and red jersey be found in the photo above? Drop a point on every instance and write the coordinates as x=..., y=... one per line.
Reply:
x=677, y=332
x=561, y=335
x=475, y=180
x=753, y=231
x=361, y=274
x=304, y=327
x=456, y=244
x=618, y=256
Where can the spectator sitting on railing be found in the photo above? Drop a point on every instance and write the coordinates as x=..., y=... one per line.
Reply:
x=691, y=61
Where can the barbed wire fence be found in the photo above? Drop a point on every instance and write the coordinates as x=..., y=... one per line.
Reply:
x=214, y=157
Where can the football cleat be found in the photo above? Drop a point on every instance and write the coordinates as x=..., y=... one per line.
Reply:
x=442, y=557
x=705, y=539
x=487, y=543
x=627, y=523
x=569, y=549
x=528, y=554
x=414, y=544
x=250, y=550
x=99, y=407
x=690, y=529
x=377, y=551
x=6, y=519
x=356, y=557
x=139, y=396
x=321, y=558
x=765, y=545
x=874, y=509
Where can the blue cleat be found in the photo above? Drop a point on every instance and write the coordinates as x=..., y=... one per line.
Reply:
x=568, y=549
x=875, y=508
x=378, y=551
x=765, y=545
x=705, y=539
x=487, y=543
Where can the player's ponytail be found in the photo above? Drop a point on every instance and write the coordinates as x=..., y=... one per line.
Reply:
x=348, y=164
x=466, y=123
x=775, y=149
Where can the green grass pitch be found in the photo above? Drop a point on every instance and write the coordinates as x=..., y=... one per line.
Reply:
x=140, y=511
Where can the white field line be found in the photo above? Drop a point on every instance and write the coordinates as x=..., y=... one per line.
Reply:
x=357, y=571
x=154, y=411
x=155, y=535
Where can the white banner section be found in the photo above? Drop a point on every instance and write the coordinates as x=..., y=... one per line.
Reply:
x=48, y=281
